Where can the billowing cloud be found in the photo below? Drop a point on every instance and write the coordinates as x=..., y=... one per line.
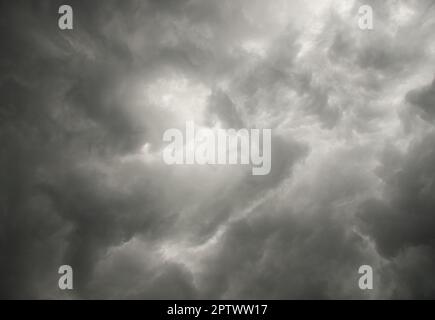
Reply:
x=83, y=111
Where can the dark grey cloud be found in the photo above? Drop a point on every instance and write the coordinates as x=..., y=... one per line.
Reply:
x=401, y=223
x=424, y=98
x=284, y=255
x=82, y=114
x=224, y=109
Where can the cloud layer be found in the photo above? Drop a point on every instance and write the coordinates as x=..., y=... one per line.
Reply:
x=82, y=113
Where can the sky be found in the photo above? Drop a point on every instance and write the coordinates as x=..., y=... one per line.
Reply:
x=352, y=181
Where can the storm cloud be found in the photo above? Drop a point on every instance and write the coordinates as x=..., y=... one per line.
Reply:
x=83, y=111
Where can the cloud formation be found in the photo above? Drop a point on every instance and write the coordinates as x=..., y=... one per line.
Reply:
x=82, y=113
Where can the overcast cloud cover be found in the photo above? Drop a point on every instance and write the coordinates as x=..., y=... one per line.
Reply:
x=82, y=181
